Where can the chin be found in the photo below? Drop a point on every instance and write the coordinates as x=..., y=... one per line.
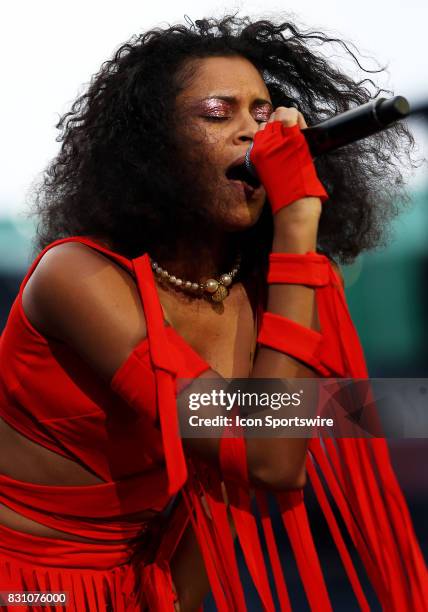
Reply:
x=232, y=210
x=241, y=217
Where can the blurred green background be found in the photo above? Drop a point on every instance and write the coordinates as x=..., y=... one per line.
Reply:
x=388, y=297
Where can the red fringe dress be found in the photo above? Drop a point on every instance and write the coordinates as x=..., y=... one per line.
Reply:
x=50, y=396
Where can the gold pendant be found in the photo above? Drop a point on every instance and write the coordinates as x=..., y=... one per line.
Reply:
x=220, y=293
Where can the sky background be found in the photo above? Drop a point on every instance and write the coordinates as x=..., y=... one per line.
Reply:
x=50, y=49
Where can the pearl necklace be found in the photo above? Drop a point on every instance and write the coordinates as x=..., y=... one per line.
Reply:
x=216, y=289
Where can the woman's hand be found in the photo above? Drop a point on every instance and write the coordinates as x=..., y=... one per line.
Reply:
x=284, y=164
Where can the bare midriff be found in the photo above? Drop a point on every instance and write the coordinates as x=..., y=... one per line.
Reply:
x=22, y=459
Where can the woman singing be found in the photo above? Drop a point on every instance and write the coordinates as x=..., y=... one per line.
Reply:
x=159, y=258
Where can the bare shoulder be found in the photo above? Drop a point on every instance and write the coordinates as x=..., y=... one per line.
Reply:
x=78, y=296
x=73, y=264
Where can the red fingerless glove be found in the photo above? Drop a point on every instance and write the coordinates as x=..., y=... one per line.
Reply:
x=284, y=165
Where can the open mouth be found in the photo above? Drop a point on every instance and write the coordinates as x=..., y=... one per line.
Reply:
x=239, y=172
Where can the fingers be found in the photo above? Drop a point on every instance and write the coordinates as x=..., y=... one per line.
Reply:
x=301, y=122
x=288, y=117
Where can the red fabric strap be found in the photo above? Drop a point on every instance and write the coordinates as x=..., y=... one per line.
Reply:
x=233, y=454
x=291, y=338
x=203, y=531
x=212, y=491
x=310, y=269
x=275, y=562
x=337, y=537
x=296, y=522
x=233, y=462
x=165, y=374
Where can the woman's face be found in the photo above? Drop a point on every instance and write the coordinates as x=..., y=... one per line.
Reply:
x=221, y=111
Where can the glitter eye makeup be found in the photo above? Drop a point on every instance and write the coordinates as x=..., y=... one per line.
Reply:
x=214, y=107
x=219, y=108
x=262, y=112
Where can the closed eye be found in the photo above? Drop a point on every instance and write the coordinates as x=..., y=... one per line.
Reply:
x=214, y=118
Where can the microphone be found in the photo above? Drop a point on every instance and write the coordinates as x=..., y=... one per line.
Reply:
x=349, y=126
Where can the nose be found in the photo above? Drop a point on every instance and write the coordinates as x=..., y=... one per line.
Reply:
x=246, y=130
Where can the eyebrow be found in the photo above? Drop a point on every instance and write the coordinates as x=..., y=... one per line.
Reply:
x=234, y=99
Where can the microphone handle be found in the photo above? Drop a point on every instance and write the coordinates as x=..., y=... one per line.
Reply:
x=350, y=126
x=355, y=124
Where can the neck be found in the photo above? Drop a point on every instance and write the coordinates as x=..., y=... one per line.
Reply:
x=199, y=260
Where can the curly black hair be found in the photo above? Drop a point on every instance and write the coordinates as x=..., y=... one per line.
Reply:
x=121, y=176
